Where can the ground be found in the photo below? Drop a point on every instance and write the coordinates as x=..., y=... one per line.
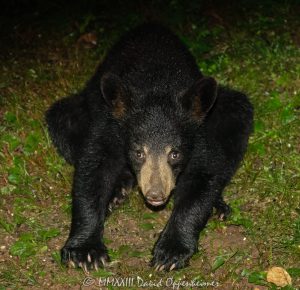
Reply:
x=251, y=47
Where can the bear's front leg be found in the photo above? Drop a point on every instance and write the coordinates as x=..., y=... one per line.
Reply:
x=95, y=177
x=193, y=204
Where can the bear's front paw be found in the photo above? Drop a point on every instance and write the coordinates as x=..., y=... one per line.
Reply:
x=86, y=257
x=171, y=254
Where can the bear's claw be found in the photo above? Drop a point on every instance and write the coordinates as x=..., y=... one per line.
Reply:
x=87, y=259
x=168, y=258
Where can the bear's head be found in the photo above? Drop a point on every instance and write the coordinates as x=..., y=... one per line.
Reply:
x=159, y=129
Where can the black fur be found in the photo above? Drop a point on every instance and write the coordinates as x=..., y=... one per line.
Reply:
x=148, y=90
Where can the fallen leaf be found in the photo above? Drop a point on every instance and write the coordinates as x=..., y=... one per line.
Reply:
x=279, y=276
x=88, y=39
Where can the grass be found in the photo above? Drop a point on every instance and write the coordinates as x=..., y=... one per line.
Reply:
x=43, y=61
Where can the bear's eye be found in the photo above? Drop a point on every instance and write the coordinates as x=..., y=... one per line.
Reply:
x=174, y=155
x=140, y=154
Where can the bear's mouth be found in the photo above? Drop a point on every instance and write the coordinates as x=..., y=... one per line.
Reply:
x=156, y=202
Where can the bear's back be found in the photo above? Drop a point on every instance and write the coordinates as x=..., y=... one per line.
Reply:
x=151, y=58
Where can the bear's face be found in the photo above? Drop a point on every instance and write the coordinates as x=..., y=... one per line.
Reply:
x=157, y=152
x=154, y=171
x=157, y=132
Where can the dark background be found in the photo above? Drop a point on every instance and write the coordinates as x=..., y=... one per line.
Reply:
x=23, y=23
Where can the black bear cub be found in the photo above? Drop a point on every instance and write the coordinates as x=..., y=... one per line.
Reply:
x=149, y=117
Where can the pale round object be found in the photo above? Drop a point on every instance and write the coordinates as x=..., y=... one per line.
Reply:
x=279, y=277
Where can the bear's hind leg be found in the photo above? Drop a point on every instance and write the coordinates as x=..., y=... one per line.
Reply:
x=223, y=209
x=126, y=183
x=68, y=123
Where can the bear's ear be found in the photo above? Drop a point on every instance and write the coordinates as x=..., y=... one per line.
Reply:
x=115, y=93
x=199, y=99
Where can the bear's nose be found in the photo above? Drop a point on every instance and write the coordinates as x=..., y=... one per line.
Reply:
x=155, y=197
